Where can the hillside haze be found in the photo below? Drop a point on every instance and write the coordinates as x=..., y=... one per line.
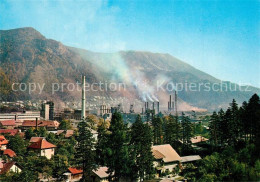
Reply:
x=28, y=57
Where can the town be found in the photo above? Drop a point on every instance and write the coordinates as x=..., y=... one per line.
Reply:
x=129, y=91
x=113, y=145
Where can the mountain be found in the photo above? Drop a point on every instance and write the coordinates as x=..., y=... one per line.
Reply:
x=28, y=57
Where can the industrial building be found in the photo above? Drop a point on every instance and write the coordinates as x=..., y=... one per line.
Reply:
x=47, y=111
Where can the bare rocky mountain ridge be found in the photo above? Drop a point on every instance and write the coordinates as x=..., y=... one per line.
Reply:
x=26, y=56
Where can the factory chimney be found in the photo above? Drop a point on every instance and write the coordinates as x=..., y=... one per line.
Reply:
x=176, y=103
x=83, y=107
x=158, y=107
x=36, y=123
x=170, y=102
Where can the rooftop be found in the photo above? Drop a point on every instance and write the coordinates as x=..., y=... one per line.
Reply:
x=101, y=172
x=3, y=140
x=165, y=152
x=9, y=152
x=8, y=123
x=7, y=166
x=40, y=123
x=68, y=133
x=9, y=131
x=42, y=144
x=73, y=170
x=35, y=139
x=190, y=158
x=198, y=139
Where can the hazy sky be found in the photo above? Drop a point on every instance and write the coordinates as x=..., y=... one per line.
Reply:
x=221, y=38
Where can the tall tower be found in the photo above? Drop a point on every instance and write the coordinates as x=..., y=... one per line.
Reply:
x=83, y=107
x=175, y=93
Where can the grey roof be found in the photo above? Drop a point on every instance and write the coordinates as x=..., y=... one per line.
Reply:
x=190, y=158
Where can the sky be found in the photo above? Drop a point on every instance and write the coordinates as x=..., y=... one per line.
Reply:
x=221, y=38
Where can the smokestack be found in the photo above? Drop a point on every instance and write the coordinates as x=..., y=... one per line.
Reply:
x=153, y=105
x=36, y=123
x=176, y=103
x=83, y=107
x=170, y=102
x=158, y=107
x=142, y=110
x=15, y=117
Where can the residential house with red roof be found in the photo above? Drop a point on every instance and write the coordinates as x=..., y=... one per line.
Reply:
x=10, y=166
x=99, y=175
x=49, y=125
x=11, y=132
x=73, y=174
x=67, y=133
x=35, y=139
x=7, y=124
x=43, y=148
x=3, y=142
x=10, y=153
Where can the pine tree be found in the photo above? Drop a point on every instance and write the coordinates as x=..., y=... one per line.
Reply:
x=227, y=128
x=234, y=126
x=17, y=144
x=118, y=162
x=172, y=131
x=29, y=133
x=85, y=151
x=244, y=120
x=102, y=145
x=222, y=127
x=157, y=124
x=253, y=111
x=141, y=141
x=214, y=128
x=186, y=133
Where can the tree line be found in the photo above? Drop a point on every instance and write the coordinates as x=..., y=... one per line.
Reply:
x=234, y=137
x=236, y=124
x=125, y=151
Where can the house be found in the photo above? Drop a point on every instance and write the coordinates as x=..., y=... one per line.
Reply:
x=10, y=153
x=166, y=158
x=43, y=148
x=190, y=158
x=11, y=132
x=35, y=139
x=3, y=142
x=73, y=174
x=67, y=133
x=49, y=125
x=100, y=175
x=198, y=139
x=7, y=124
x=10, y=166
